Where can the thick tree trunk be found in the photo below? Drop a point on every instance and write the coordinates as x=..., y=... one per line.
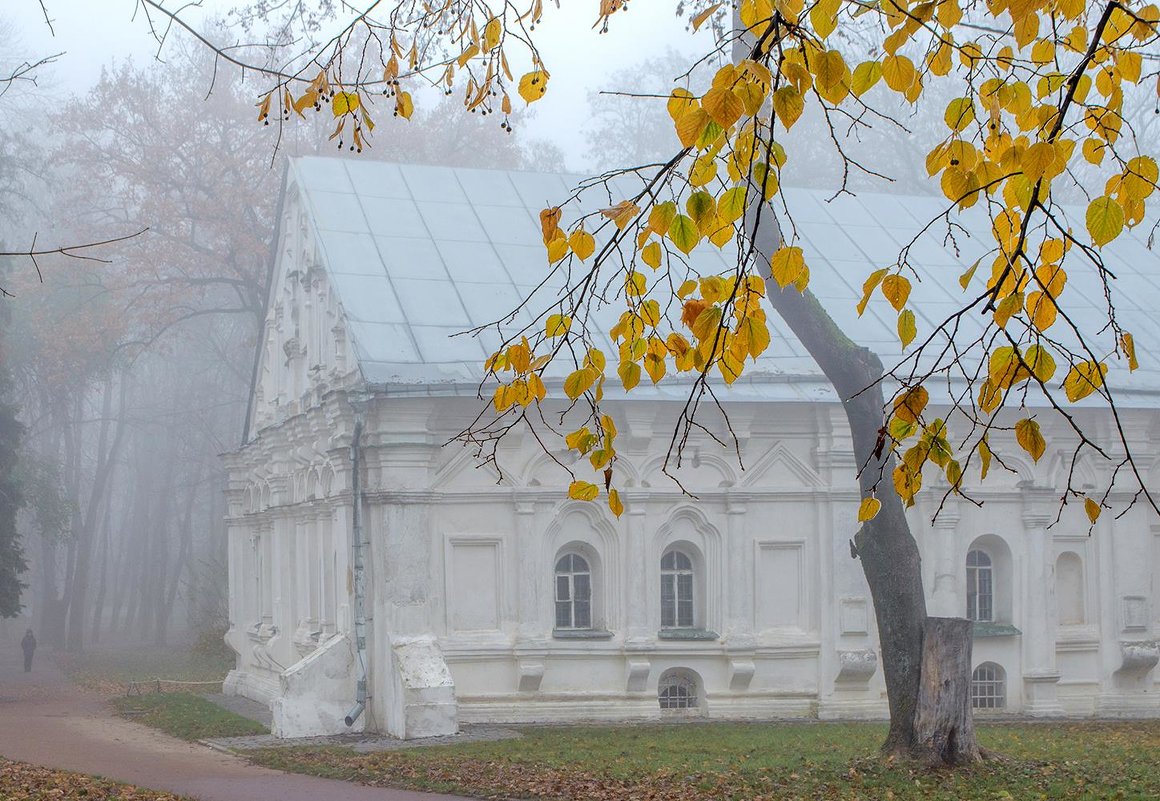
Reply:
x=944, y=729
x=889, y=554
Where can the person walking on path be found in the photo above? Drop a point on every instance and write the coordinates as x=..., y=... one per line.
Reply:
x=29, y=646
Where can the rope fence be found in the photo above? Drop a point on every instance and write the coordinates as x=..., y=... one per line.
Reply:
x=159, y=685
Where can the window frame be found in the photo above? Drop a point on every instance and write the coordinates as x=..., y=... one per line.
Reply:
x=989, y=690
x=980, y=586
x=570, y=575
x=678, y=612
x=679, y=692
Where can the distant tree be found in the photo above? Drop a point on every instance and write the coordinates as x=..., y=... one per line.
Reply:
x=12, y=564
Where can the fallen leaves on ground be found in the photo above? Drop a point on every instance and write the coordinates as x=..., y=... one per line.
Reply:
x=22, y=782
x=754, y=762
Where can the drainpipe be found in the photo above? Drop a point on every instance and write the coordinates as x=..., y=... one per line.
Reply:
x=360, y=619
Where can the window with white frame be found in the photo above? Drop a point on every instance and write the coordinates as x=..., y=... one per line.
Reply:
x=677, y=590
x=988, y=687
x=573, y=592
x=677, y=689
x=980, y=587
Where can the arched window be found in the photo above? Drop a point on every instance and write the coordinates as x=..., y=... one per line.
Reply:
x=573, y=592
x=988, y=687
x=676, y=590
x=980, y=587
x=677, y=689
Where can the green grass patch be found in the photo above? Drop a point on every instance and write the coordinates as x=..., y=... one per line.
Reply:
x=187, y=716
x=699, y=762
x=113, y=669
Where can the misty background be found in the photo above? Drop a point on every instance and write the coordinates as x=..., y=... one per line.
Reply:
x=131, y=365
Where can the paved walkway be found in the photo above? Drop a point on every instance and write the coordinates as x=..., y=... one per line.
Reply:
x=46, y=720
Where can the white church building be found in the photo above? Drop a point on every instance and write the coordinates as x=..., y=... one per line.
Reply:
x=489, y=596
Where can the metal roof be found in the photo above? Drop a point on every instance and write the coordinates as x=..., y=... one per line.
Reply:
x=420, y=254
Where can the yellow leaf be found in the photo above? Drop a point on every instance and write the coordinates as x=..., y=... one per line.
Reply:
x=697, y=22
x=896, y=289
x=824, y=17
x=622, y=213
x=533, y=85
x=1041, y=309
x=868, y=509
x=1129, y=345
x=1105, y=220
x=1083, y=379
x=866, y=75
x=906, y=327
x=786, y=265
x=959, y=114
x=723, y=106
x=909, y=405
x=629, y=373
x=583, y=244
x=651, y=254
x=684, y=233
x=491, y=33
x=583, y=491
x=344, y=103
x=557, y=325
x=654, y=364
x=1029, y=437
x=691, y=125
x=788, y=105
x=578, y=382
x=557, y=249
x=681, y=101
x=899, y=73
x=868, y=288
x=550, y=223
x=1092, y=508
x=984, y=458
x=731, y=204
x=614, y=503
x=1041, y=363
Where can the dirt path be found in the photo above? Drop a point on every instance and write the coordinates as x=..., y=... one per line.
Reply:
x=46, y=720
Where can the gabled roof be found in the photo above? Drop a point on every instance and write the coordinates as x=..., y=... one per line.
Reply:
x=420, y=254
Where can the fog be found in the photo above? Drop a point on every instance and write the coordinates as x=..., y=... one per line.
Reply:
x=132, y=362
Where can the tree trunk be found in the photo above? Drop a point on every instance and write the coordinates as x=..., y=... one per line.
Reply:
x=943, y=726
x=889, y=554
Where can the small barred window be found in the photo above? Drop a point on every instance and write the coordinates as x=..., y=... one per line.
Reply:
x=677, y=690
x=988, y=690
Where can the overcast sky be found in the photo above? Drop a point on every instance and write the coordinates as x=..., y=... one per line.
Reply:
x=92, y=33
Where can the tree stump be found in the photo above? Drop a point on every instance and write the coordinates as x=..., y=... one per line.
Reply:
x=943, y=723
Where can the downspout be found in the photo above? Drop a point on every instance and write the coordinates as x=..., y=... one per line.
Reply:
x=360, y=619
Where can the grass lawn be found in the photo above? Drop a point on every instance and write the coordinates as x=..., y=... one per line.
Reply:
x=111, y=670
x=699, y=762
x=185, y=715
x=22, y=782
